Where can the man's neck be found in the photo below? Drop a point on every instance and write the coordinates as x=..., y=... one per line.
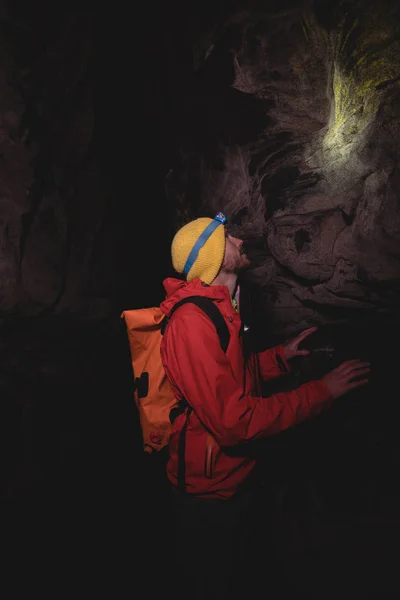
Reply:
x=228, y=279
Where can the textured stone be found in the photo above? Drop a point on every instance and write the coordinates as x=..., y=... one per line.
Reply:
x=318, y=174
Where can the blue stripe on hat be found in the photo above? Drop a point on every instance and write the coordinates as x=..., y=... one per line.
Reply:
x=220, y=219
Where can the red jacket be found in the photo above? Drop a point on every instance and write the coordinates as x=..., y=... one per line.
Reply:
x=228, y=409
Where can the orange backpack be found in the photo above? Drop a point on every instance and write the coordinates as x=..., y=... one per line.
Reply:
x=153, y=394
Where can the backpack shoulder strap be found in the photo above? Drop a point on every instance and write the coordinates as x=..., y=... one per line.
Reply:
x=212, y=311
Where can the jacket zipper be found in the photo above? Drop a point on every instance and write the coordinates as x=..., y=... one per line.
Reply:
x=210, y=457
x=181, y=476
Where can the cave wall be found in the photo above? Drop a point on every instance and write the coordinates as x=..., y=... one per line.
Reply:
x=72, y=183
x=288, y=122
x=114, y=131
x=285, y=116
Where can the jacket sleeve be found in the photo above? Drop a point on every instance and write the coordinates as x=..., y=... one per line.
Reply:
x=273, y=363
x=201, y=371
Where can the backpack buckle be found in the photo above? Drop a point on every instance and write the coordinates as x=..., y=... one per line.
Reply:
x=221, y=218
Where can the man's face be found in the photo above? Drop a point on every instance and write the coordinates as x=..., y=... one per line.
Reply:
x=235, y=260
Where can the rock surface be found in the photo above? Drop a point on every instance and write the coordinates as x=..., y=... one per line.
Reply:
x=113, y=132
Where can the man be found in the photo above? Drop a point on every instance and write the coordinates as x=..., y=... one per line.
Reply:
x=224, y=408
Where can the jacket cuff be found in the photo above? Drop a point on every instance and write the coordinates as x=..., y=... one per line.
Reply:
x=324, y=390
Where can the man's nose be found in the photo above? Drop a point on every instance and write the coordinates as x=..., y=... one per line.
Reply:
x=237, y=241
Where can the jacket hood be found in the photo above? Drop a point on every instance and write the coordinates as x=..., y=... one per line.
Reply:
x=177, y=289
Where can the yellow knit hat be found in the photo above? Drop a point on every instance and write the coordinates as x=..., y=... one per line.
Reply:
x=198, y=248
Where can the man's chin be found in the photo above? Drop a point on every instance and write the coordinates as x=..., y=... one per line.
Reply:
x=246, y=261
x=244, y=264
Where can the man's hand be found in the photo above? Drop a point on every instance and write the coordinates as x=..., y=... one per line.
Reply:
x=291, y=348
x=340, y=380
